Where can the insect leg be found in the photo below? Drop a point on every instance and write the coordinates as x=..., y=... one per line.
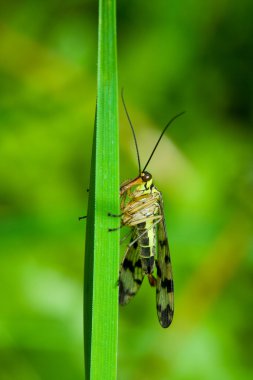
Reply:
x=115, y=229
x=115, y=215
x=85, y=216
x=125, y=237
x=82, y=217
x=144, y=232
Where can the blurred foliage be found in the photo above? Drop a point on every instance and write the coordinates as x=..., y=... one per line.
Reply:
x=192, y=55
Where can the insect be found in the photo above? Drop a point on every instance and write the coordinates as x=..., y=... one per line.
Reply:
x=142, y=210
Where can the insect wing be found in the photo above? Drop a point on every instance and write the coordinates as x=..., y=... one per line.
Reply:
x=164, y=285
x=131, y=274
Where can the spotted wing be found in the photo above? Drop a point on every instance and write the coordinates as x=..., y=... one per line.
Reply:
x=164, y=285
x=131, y=274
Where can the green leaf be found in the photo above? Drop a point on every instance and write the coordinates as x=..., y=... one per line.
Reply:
x=102, y=246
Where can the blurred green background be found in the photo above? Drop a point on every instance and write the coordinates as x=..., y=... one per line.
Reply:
x=173, y=56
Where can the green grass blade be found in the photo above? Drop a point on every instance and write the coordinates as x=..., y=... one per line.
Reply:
x=102, y=247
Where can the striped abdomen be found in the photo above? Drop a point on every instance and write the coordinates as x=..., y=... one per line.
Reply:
x=147, y=244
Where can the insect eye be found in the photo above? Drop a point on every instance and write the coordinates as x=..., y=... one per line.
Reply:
x=146, y=176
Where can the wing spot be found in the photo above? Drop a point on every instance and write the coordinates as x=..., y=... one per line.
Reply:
x=167, y=259
x=163, y=243
x=165, y=316
x=124, y=294
x=128, y=264
x=158, y=271
x=167, y=284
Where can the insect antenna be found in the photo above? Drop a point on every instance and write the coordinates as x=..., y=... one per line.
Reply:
x=165, y=128
x=131, y=125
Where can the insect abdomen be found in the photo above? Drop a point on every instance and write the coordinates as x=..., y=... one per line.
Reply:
x=146, y=231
